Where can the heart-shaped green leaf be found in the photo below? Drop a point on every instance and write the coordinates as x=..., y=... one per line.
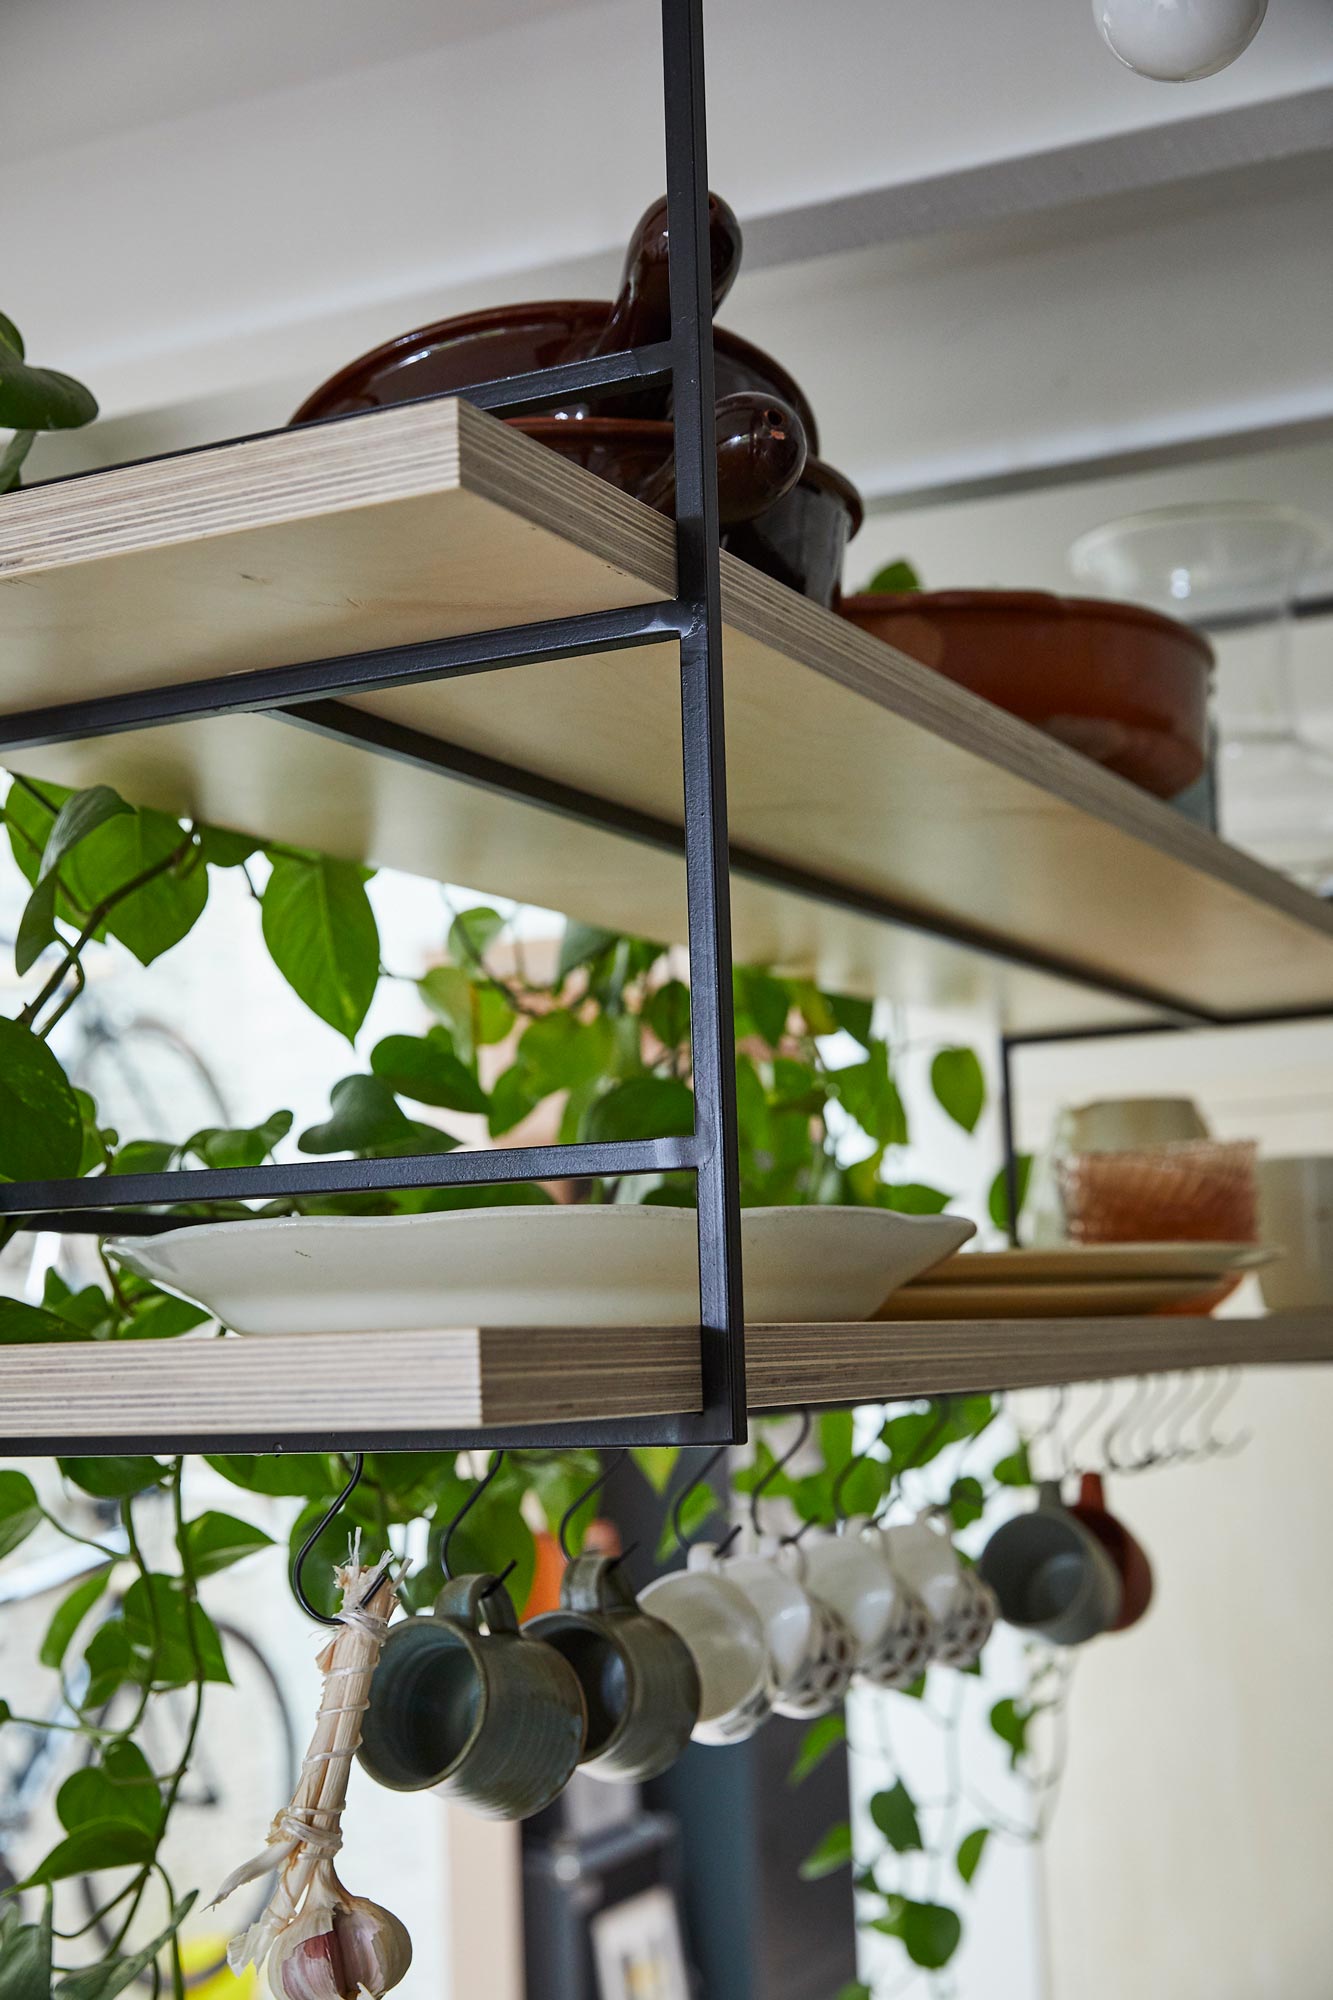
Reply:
x=322, y=936
x=41, y=1126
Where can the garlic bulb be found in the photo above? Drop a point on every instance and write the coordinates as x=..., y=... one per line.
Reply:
x=319, y=1941
x=340, y=1951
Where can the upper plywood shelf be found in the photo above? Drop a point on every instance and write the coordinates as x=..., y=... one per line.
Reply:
x=846, y=761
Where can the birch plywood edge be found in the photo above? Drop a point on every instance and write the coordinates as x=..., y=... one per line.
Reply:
x=297, y=1384
x=788, y=1366
x=380, y=530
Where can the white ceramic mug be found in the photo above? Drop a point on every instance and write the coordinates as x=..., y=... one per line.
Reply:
x=961, y=1606
x=848, y=1572
x=811, y=1653
x=726, y=1636
x=1296, y=1217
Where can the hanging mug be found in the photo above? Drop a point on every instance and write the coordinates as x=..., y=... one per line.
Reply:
x=1051, y=1576
x=638, y=1676
x=849, y=1571
x=960, y=1605
x=726, y=1638
x=462, y=1704
x=811, y=1653
x=1125, y=1550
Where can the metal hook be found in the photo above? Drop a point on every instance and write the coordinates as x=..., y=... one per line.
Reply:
x=1213, y=1446
x=858, y=1458
x=497, y=1461
x=616, y=1459
x=1178, y=1450
x=1156, y=1419
x=1050, y=1423
x=331, y=1514
x=1097, y=1409
x=1117, y=1425
x=684, y=1541
x=915, y=1457
x=765, y=1481
x=779, y=1465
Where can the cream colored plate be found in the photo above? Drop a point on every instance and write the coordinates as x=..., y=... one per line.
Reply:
x=1092, y=1300
x=1078, y=1262
x=533, y=1266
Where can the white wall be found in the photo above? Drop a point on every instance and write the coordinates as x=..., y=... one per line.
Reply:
x=1190, y=1850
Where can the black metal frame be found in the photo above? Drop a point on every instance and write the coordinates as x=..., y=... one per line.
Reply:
x=694, y=618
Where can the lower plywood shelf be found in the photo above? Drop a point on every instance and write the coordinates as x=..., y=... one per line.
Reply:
x=433, y=1390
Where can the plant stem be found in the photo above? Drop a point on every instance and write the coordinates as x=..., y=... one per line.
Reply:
x=96, y=918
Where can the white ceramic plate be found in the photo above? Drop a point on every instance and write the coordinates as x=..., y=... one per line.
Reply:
x=1076, y=1262
x=1091, y=1299
x=532, y=1266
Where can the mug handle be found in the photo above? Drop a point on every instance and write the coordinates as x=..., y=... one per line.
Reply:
x=478, y=1600
x=594, y=1584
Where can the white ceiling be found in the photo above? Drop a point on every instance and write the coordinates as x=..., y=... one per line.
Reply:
x=78, y=70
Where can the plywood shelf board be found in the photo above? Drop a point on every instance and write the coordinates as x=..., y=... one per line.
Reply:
x=302, y=1384
x=845, y=759
x=491, y=1379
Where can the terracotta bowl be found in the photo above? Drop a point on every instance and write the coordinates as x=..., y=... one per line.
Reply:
x=1200, y=1191
x=1126, y=686
x=509, y=340
x=799, y=539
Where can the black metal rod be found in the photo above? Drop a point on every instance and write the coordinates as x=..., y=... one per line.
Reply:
x=464, y=1168
x=574, y=1434
x=347, y=674
x=698, y=580
x=545, y=386
x=542, y=387
x=1263, y=1017
x=1011, y=1175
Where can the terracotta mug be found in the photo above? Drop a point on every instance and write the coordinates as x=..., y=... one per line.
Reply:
x=1125, y=1550
x=1051, y=1576
x=638, y=1676
x=462, y=1704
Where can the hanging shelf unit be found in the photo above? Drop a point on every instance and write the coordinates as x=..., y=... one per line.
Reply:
x=416, y=638
x=890, y=831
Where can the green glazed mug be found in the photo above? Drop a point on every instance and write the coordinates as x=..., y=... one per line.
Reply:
x=638, y=1676
x=464, y=1705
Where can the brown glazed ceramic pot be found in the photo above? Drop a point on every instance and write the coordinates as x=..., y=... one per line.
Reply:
x=451, y=354
x=1126, y=686
x=1126, y=1552
x=802, y=539
x=760, y=453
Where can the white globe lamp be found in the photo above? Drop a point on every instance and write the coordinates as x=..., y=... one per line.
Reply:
x=1178, y=41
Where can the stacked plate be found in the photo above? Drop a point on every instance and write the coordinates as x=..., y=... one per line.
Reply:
x=620, y=1265
x=1080, y=1281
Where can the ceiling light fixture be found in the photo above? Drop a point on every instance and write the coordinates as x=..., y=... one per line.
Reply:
x=1178, y=41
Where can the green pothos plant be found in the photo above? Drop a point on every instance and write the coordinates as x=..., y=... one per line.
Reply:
x=33, y=400
x=605, y=1042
